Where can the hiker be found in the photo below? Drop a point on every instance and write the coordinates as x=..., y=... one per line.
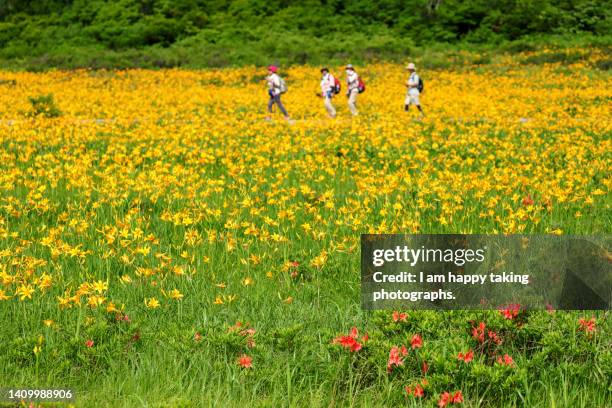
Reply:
x=414, y=90
x=276, y=87
x=352, y=81
x=329, y=87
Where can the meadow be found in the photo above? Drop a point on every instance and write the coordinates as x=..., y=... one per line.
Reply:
x=161, y=244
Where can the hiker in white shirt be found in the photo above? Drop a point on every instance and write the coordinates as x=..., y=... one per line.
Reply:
x=412, y=96
x=274, y=91
x=328, y=90
x=352, y=82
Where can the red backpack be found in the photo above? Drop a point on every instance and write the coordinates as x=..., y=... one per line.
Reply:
x=361, y=86
x=337, y=87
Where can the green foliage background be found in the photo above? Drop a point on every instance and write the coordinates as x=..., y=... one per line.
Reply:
x=201, y=33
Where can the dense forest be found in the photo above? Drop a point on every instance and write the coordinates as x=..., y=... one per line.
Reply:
x=72, y=33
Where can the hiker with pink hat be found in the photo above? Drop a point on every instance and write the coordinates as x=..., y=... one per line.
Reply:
x=276, y=87
x=330, y=86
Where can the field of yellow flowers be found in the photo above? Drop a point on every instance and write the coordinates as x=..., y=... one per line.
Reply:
x=161, y=244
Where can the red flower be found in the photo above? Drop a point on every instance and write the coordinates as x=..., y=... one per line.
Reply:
x=511, y=311
x=424, y=367
x=397, y=316
x=588, y=326
x=494, y=337
x=416, y=342
x=445, y=399
x=417, y=391
x=248, y=332
x=505, y=360
x=356, y=346
x=197, y=336
x=350, y=342
x=457, y=397
x=528, y=201
x=395, y=359
x=236, y=326
x=345, y=341
x=479, y=332
x=466, y=357
x=89, y=343
x=245, y=361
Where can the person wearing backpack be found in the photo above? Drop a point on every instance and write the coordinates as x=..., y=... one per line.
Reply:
x=415, y=87
x=330, y=86
x=355, y=86
x=276, y=87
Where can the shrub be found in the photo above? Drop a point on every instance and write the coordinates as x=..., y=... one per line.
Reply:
x=604, y=65
x=555, y=57
x=518, y=46
x=44, y=105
